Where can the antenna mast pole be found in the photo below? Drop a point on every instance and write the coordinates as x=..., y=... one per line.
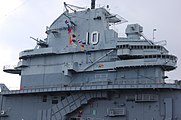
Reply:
x=154, y=34
x=93, y=4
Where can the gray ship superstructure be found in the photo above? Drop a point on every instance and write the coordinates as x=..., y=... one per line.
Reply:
x=84, y=71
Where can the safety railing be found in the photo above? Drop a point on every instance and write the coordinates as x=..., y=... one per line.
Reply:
x=102, y=83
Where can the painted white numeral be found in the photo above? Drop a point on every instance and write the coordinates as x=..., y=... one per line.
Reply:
x=94, y=38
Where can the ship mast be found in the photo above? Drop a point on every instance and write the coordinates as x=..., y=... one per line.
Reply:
x=93, y=4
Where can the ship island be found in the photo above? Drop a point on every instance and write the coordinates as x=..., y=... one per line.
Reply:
x=83, y=70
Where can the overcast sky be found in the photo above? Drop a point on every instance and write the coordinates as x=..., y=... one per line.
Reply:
x=20, y=19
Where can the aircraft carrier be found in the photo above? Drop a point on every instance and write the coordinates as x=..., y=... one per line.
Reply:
x=84, y=71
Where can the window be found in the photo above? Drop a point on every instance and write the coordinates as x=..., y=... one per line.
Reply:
x=55, y=100
x=44, y=98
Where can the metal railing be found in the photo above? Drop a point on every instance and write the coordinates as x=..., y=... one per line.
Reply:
x=102, y=83
x=9, y=67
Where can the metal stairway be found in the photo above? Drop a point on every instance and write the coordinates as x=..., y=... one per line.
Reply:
x=68, y=105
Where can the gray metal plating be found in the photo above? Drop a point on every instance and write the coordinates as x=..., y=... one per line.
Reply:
x=84, y=71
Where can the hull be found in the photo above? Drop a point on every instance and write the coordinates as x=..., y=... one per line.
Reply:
x=160, y=103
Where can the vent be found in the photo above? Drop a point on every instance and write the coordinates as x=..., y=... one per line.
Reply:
x=130, y=98
x=101, y=77
x=146, y=98
x=113, y=112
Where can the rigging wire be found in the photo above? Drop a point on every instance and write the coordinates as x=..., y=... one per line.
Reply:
x=14, y=10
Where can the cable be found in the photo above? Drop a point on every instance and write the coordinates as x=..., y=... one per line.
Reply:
x=14, y=10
